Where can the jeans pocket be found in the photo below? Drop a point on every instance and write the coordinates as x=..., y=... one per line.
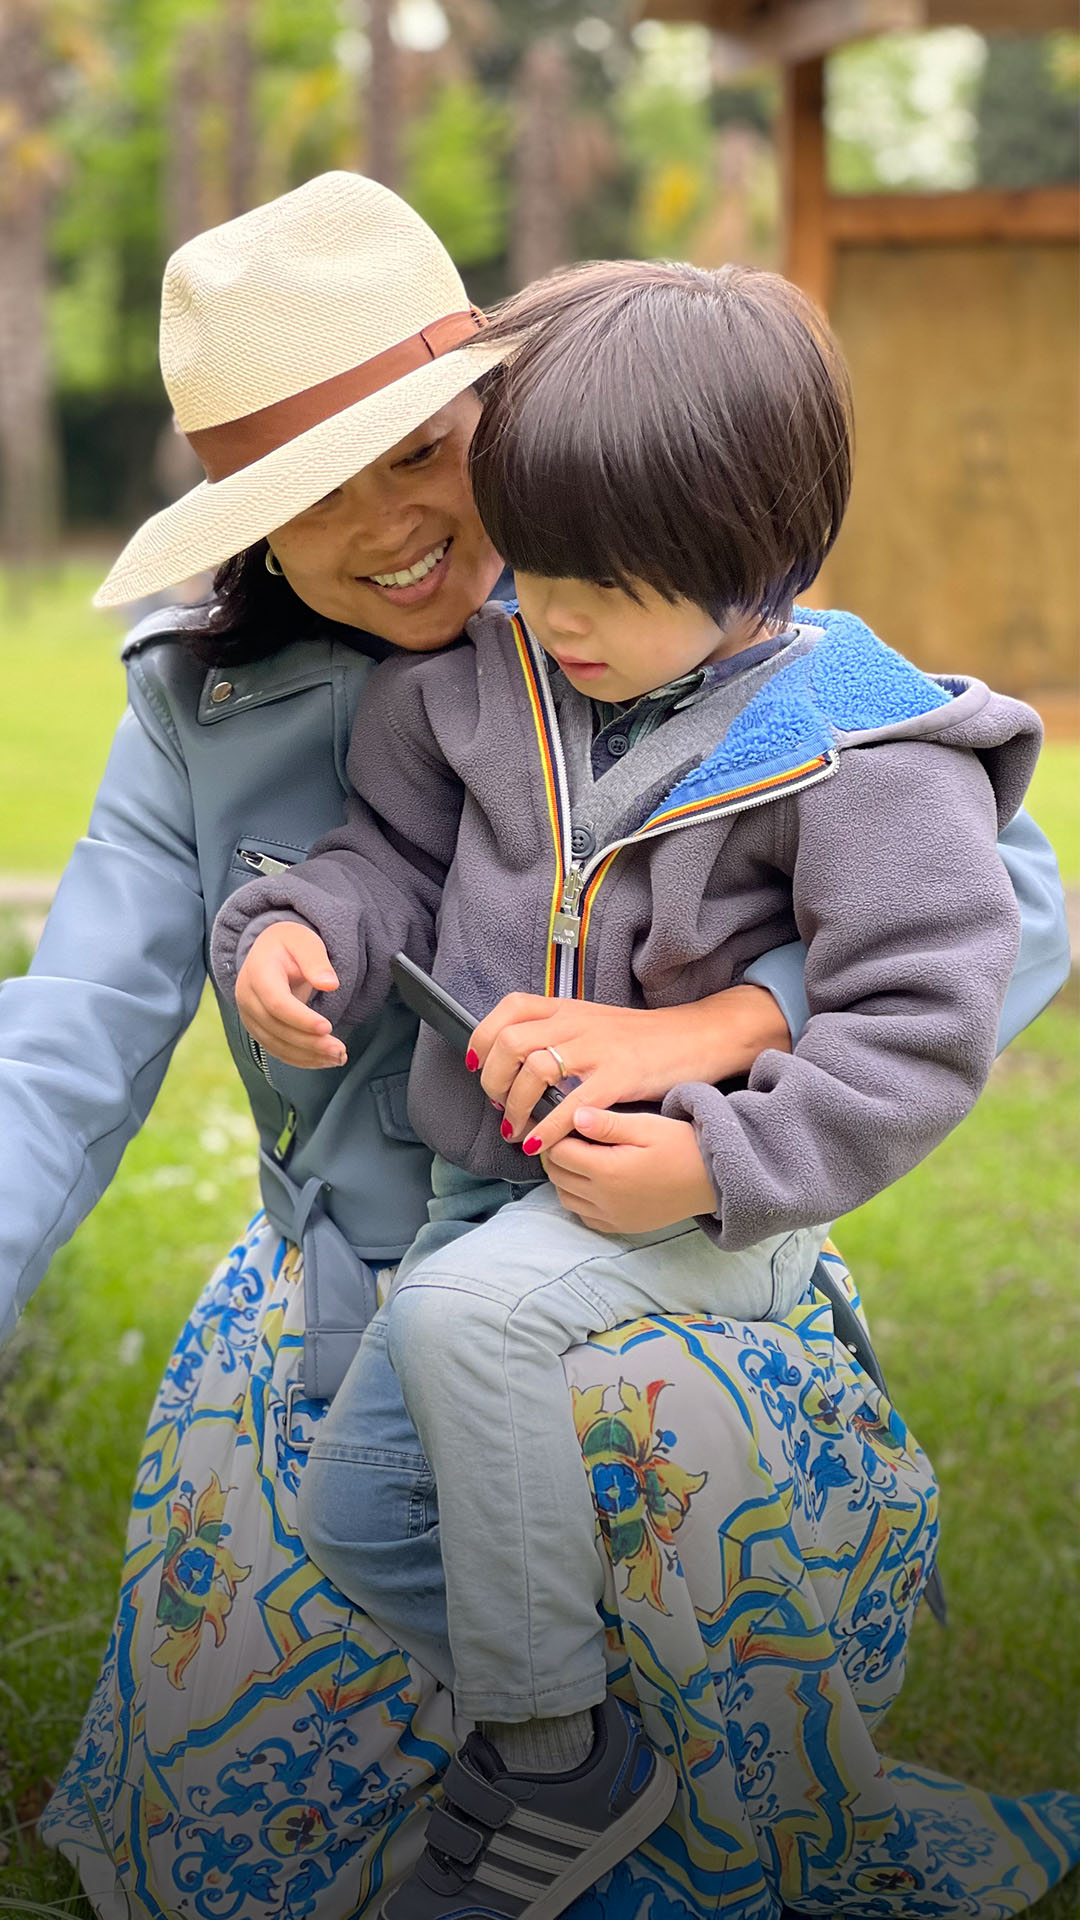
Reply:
x=423, y=1504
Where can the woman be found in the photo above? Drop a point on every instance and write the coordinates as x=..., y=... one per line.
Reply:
x=254, y=1746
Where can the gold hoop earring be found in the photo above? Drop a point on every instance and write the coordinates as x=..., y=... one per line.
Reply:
x=273, y=564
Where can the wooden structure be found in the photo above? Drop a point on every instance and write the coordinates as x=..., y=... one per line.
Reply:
x=958, y=314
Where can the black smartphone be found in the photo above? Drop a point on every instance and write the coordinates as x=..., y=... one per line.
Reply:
x=455, y=1023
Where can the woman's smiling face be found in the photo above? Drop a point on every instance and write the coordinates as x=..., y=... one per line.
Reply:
x=410, y=513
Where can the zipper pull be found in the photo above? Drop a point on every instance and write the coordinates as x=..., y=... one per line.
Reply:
x=566, y=928
x=263, y=863
x=283, y=1144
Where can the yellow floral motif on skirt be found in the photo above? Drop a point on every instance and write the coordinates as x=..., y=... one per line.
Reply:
x=199, y=1578
x=641, y=1496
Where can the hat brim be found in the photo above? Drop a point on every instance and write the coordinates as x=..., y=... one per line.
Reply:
x=222, y=517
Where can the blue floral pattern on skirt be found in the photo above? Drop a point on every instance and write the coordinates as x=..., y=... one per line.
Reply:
x=256, y=1747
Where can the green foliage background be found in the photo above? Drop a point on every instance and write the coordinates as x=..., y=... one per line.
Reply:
x=643, y=124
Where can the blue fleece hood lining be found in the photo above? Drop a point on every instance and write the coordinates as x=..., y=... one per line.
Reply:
x=848, y=683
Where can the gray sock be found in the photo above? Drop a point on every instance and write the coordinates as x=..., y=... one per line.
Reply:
x=542, y=1746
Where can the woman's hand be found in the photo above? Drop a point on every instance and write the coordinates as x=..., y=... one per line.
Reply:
x=634, y=1172
x=286, y=965
x=620, y=1054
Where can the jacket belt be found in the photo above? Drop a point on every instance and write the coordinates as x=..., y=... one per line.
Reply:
x=340, y=1289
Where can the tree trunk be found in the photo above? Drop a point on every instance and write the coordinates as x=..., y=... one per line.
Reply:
x=174, y=467
x=540, y=233
x=238, y=80
x=183, y=141
x=382, y=105
x=29, y=466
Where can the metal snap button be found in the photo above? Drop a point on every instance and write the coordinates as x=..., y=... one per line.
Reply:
x=221, y=691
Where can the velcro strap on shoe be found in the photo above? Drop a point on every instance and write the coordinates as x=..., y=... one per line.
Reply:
x=475, y=1796
x=453, y=1837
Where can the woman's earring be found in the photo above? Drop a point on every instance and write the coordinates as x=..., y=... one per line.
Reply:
x=273, y=564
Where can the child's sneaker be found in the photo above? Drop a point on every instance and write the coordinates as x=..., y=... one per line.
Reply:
x=515, y=1846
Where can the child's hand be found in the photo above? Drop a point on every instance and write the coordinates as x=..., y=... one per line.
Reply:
x=620, y=1054
x=634, y=1173
x=286, y=965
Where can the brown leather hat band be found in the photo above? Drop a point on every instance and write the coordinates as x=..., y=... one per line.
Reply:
x=235, y=444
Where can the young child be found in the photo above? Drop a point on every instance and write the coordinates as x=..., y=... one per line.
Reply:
x=621, y=794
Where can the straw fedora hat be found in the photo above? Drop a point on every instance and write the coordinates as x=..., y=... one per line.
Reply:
x=298, y=343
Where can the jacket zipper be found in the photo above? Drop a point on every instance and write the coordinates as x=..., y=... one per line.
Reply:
x=565, y=920
x=567, y=923
x=258, y=1054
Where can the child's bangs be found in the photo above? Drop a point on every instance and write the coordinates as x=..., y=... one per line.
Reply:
x=562, y=528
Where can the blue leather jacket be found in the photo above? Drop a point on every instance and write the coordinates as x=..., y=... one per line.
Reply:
x=212, y=776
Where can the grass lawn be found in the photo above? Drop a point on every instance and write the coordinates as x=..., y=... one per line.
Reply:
x=63, y=695
x=968, y=1268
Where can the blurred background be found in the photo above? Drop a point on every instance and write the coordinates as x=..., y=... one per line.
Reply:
x=921, y=184
x=914, y=165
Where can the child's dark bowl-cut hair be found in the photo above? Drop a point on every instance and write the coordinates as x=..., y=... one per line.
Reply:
x=665, y=424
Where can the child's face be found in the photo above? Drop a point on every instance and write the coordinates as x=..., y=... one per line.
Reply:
x=616, y=648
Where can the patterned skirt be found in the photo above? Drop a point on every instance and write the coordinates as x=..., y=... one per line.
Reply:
x=256, y=1749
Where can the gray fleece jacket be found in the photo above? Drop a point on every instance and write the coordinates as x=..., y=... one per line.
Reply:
x=833, y=792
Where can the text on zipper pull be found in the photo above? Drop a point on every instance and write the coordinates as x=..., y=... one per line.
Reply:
x=566, y=927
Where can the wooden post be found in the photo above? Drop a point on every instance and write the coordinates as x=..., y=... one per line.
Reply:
x=804, y=192
x=979, y=216
x=807, y=246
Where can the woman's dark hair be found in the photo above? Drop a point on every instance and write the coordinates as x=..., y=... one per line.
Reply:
x=251, y=615
x=665, y=424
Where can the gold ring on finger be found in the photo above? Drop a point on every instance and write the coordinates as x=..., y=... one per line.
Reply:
x=559, y=1062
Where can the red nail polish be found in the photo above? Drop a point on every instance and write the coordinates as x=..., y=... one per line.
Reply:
x=472, y=1060
x=498, y=1106
x=532, y=1144
x=506, y=1130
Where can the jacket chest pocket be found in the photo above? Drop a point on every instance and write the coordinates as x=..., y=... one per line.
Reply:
x=255, y=859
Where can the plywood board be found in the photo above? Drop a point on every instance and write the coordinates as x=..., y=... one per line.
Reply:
x=961, y=545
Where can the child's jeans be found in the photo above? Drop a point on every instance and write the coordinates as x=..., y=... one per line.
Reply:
x=475, y=1328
